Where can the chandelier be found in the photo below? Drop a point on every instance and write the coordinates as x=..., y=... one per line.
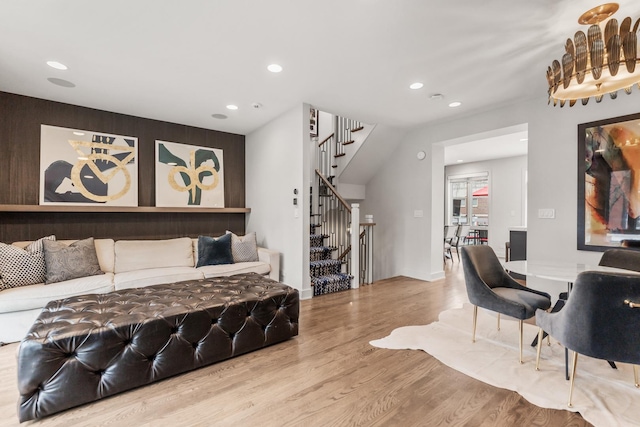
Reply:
x=603, y=61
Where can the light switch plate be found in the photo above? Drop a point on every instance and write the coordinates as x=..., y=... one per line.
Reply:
x=418, y=214
x=546, y=213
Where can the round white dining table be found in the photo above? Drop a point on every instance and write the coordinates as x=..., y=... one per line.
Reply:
x=566, y=272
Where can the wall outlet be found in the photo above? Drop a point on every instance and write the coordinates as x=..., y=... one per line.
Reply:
x=546, y=213
x=418, y=214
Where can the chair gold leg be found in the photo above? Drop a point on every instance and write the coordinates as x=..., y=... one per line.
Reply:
x=540, y=333
x=475, y=320
x=520, y=331
x=549, y=340
x=635, y=375
x=574, y=364
x=498, y=321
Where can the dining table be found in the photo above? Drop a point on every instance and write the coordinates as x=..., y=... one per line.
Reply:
x=562, y=272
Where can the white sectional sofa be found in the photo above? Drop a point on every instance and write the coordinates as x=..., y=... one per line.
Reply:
x=126, y=264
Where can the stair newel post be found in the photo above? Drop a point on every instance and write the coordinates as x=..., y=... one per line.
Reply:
x=355, y=245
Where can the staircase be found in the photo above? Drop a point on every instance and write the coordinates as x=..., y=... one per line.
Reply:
x=326, y=272
x=330, y=234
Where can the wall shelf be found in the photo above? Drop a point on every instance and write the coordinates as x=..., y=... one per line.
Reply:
x=116, y=209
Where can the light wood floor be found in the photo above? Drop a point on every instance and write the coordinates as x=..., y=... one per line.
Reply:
x=327, y=376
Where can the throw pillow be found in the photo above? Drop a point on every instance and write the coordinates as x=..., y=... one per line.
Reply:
x=244, y=248
x=22, y=267
x=214, y=250
x=79, y=259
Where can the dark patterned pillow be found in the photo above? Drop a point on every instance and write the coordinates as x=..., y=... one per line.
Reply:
x=244, y=248
x=79, y=259
x=22, y=267
x=214, y=250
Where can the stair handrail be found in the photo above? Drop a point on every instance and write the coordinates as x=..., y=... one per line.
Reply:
x=321, y=143
x=330, y=186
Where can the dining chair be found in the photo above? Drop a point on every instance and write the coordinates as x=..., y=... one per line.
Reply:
x=628, y=259
x=599, y=320
x=449, y=236
x=461, y=234
x=490, y=287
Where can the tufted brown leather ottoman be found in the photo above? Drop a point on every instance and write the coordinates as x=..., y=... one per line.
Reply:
x=84, y=348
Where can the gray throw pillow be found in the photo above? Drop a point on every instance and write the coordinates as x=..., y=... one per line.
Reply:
x=244, y=248
x=79, y=259
x=214, y=250
x=22, y=267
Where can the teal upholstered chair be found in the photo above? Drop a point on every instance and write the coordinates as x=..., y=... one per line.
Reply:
x=490, y=287
x=601, y=319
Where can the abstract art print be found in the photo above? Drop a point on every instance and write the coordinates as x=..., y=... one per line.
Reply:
x=80, y=167
x=609, y=183
x=189, y=176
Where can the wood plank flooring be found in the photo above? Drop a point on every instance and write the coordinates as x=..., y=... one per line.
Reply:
x=327, y=376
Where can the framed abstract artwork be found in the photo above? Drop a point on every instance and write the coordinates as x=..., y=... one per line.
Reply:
x=80, y=167
x=313, y=121
x=609, y=183
x=189, y=176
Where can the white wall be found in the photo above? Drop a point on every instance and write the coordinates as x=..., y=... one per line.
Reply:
x=405, y=244
x=277, y=162
x=506, y=196
x=402, y=185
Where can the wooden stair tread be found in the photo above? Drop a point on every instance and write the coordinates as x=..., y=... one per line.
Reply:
x=347, y=142
x=339, y=155
x=357, y=129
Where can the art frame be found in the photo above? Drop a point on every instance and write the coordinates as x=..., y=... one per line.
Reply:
x=87, y=168
x=189, y=176
x=609, y=183
x=313, y=121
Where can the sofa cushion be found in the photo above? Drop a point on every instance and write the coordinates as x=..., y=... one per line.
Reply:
x=21, y=267
x=76, y=260
x=155, y=276
x=244, y=248
x=214, y=250
x=37, y=296
x=132, y=255
x=231, y=269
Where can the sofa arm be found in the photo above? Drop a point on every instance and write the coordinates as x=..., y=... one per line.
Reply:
x=273, y=259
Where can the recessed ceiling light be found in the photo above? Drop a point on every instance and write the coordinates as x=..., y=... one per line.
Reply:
x=232, y=107
x=524, y=139
x=60, y=82
x=274, y=68
x=459, y=160
x=57, y=65
x=416, y=85
x=219, y=116
x=455, y=104
x=78, y=133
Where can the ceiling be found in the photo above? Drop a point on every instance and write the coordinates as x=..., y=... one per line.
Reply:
x=497, y=147
x=185, y=61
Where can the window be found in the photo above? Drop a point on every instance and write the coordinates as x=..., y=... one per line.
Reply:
x=468, y=200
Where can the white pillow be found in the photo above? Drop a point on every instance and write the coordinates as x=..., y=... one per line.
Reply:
x=244, y=248
x=22, y=267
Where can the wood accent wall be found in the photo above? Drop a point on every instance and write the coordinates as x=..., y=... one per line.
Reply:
x=20, y=120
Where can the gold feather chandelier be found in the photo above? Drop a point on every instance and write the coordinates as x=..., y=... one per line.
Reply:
x=603, y=61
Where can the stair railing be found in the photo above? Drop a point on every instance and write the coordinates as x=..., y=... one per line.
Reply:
x=324, y=156
x=333, y=146
x=334, y=216
x=366, y=253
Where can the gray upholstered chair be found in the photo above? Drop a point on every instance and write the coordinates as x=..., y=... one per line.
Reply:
x=621, y=258
x=600, y=319
x=490, y=287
